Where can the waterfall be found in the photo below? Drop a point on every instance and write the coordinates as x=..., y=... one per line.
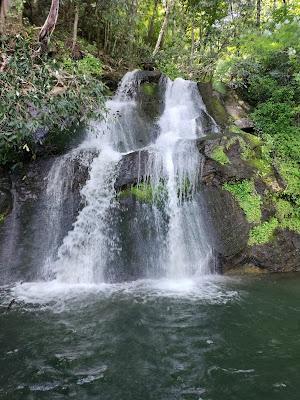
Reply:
x=87, y=247
x=181, y=248
x=175, y=154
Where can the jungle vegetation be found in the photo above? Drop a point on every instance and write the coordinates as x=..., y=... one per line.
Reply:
x=56, y=56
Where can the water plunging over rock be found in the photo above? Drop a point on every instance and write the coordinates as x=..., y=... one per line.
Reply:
x=96, y=248
x=141, y=197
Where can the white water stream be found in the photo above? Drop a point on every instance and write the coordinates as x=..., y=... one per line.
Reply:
x=174, y=162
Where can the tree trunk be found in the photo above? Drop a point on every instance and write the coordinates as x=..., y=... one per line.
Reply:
x=49, y=26
x=3, y=13
x=258, y=12
x=151, y=23
x=192, y=41
x=164, y=27
x=75, y=27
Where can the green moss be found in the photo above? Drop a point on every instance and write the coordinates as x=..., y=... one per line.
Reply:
x=253, y=140
x=149, y=89
x=235, y=129
x=248, y=199
x=145, y=193
x=288, y=215
x=251, y=152
x=263, y=233
x=262, y=166
x=2, y=218
x=220, y=156
x=218, y=111
x=142, y=192
x=290, y=172
x=219, y=87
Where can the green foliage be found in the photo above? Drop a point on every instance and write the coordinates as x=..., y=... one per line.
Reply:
x=39, y=93
x=88, y=66
x=278, y=121
x=142, y=192
x=262, y=166
x=145, y=192
x=247, y=197
x=168, y=63
x=149, y=89
x=220, y=156
x=2, y=218
x=265, y=70
x=263, y=233
x=290, y=172
x=288, y=214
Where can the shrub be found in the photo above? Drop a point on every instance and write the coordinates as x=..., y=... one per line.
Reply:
x=39, y=93
x=263, y=233
x=248, y=199
x=220, y=156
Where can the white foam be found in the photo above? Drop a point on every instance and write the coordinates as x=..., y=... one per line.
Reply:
x=210, y=288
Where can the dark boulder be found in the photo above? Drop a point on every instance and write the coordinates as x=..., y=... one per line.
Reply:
x=282, y=254
x=227, y=221
x=214, y=103
x=215, y=173
x=229, y=226
x=245, y=124
x=132, y=168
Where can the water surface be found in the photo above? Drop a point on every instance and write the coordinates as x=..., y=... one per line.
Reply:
x=216, y=339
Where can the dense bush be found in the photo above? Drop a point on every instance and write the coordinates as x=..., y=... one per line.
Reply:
x=266, y=73
x=38, y=94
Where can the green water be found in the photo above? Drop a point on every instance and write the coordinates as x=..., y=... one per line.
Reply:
x=222, y=339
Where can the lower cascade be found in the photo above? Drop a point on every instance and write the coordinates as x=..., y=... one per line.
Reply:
x=93, y=248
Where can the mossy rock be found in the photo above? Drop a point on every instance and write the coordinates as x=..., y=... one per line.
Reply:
x=214, y=103
x=149, y=89
x=246, y=270
x=218, y=154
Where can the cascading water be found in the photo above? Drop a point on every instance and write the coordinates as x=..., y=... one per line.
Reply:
x=177, y=158
x=182, y=248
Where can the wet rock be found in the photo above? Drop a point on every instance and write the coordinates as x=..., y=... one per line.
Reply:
x=206, y=123
x=214, y=103
x=39, y=216
x=214, y=173
x=149, y=76
x=5, y=193
x=230, y=229
x=280, y=255
x=132, y=168
x=229, y=226
x=245, y=124
x=112, y=77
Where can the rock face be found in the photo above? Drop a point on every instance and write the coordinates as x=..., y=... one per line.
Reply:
x=132, y=168
x=238, y=110
x=5, y=194
x=35, y=214
x=215, y=173
x=230, y=228
x=280, y=255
